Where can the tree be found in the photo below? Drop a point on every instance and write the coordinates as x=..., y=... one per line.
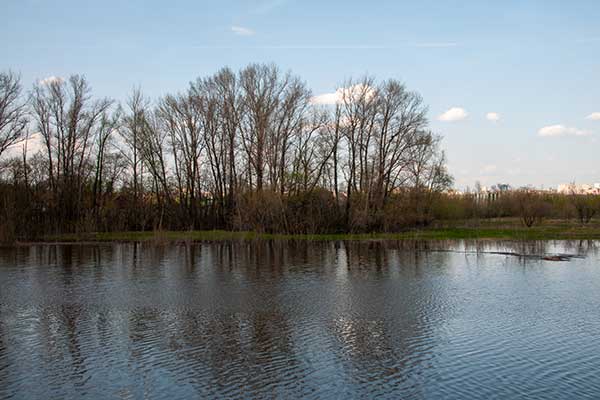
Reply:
x=530, y=207
x=181, y=118
x=153, y=150
x=248, y=149
x=68, y=121
x=131, y=131
x=585, y=205
x=13, y=111
x=273, y=109
x=108, y=125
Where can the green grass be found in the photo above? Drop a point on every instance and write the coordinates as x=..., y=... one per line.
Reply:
x=507, y=229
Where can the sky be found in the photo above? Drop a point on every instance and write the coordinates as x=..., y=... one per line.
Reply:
x=513, y=86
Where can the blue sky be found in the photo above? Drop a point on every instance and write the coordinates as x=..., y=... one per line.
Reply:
x=536, y=64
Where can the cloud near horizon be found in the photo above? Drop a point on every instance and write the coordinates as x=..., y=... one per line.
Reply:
x=50, y=80
x=454, y=114
x=34, y=145
x=561, y=130
x=343, y=93
x=595, y=116
x=242, y=31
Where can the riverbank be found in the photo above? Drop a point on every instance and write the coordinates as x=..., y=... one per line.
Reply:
x=503, y=229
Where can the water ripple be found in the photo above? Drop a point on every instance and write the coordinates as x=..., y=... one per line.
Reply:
x=290, y=320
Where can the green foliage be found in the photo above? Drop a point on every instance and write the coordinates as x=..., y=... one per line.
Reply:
x=502, y=229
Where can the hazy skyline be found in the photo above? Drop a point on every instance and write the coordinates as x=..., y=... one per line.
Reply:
x=513, y=86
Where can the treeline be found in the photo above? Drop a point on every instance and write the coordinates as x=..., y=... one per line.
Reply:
x=247, y=150
x=530, y=206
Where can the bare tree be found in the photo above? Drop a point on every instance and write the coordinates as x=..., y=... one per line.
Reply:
x=13, y=111
x=399, y=139
x=131, y=131
x=382, y=127
x=585, y=205
x=530, y=207
x=68, y=121
x=312, y=151
x=181, y=118
x=233, y=150
x=262, y=86
x=108, y=125
x=227, y=90
x=153, y=151
x=359, y=110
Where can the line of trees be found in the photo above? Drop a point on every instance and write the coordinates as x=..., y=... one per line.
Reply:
x=235, y=150
x=530, y=206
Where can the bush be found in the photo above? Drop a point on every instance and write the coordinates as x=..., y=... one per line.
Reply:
x=261, y=211
x=531, y=207
x=312, y=212
x=585, y=206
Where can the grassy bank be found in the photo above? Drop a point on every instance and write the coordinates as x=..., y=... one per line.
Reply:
x=507, y=229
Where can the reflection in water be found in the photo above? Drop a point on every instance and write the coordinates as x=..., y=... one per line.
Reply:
x=298, y=319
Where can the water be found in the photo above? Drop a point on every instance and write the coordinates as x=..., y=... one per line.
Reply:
x=264, y=319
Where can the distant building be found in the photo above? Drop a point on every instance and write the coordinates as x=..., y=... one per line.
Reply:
x=495, y=191
x=572, y=188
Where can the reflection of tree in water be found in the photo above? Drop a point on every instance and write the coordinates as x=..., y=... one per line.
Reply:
x=249, y=346
x=144, y=346
x=253, y=318
x=582, y=247
x=384, y=317
x=240, y=340
x=70, y=316
x=4, y=361
x=62, y=322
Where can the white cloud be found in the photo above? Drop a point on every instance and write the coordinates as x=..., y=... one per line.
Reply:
x=492, y=116
x=595, y=116
x=240, y=30
x=454, y=114
x=34, y=145
x=50, y=80
x=349, y=93
x=327, y=98
x=561, y=130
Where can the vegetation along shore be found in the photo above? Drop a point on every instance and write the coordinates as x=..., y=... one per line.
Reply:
x=500, y=229
x=246, y=151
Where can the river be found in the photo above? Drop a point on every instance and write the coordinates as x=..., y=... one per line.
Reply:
x=285, y=319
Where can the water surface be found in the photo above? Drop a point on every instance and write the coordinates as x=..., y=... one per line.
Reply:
x=265, y=319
